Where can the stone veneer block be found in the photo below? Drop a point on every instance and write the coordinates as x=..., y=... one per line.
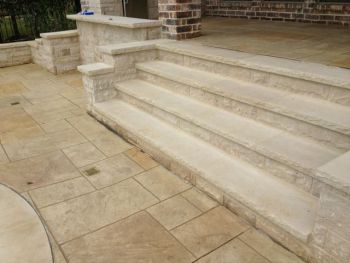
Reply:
x=95, y=69
x=15, y=54
x=331, y=234
x=58, y=52
x=98, y=30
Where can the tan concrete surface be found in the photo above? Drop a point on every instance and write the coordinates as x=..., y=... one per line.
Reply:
x=328, y=45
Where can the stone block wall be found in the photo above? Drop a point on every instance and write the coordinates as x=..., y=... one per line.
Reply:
x=58, y=52
x=104, y=7
x=101, y=30
x=311, y=11
x=331, y=235
x=181, y=18
x=15, y=54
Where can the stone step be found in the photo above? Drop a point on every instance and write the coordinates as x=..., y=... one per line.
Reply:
x=327, y=122
x=311, y=79
x=281, y=153
x=222, y=176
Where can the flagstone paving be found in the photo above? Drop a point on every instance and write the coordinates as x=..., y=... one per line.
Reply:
x=101, y=198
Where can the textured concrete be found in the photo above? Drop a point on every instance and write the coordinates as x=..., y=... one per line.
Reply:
x=327, y=45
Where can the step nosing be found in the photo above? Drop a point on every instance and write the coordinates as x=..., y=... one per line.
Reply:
x=256, y=145
x=304, y=201
x=246, y=99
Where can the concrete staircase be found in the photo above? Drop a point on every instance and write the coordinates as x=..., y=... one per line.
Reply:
x=250, y=131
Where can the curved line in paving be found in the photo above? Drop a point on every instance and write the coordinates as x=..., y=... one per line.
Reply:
x=23, y=237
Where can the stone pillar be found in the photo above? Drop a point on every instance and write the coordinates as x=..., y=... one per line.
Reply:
x=104, y=7
x=181, y=18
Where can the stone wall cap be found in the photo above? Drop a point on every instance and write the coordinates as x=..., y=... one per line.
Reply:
x=15, y=44
x=118, y=21
x=95, y=69
x=122, y=48
x=336, y=173
x=60, y=34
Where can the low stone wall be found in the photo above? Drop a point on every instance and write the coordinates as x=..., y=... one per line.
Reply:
x=15, y=54
x=299, y=11
x=100, y=30
x=58, y=52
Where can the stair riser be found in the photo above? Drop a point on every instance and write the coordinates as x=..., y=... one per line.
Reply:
x=188, y=173
x=295, y=85
x=276, y=167
x=300, y=127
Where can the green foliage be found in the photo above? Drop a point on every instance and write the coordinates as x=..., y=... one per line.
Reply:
x=26, y=19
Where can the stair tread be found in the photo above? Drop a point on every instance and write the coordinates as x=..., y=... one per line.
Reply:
x=282, y=203
x=299, y=152
x=316, y=111
x=299, y=69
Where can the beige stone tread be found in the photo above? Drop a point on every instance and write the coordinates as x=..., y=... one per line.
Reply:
x=284, y=204
x=330, y=75
x=336, y=173
x=315, y=111
x=22, y=235
x=304, y=154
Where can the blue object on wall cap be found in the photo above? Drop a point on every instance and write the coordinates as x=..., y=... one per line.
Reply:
x=87, y=13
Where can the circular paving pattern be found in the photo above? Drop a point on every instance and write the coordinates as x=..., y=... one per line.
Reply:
x=22, y=235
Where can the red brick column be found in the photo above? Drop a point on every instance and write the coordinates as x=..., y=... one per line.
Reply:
x=181, y=18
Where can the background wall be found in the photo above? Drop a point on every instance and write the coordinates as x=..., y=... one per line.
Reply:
x=313, y=11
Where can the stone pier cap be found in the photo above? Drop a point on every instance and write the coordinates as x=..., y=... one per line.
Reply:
x=118, y=21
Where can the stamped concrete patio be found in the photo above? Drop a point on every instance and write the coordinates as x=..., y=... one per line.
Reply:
x=329, y=45
x=102, y=199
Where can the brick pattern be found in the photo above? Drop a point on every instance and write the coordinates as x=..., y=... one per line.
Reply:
x=309, y=11
x=181, y=18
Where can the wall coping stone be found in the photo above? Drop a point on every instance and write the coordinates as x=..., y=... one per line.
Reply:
x=95, y=69
x=118, y=21
x=122, y=48
x=60, y=34
x=15, y=44
x=336, y=173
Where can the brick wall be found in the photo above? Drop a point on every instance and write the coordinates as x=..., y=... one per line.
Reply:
x=181, y=18
x=152, y=9
x=312, y=11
